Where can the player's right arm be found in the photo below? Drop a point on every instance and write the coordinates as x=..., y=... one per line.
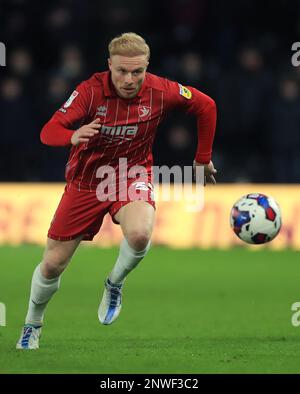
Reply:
x=84, y=133
x=59, y=131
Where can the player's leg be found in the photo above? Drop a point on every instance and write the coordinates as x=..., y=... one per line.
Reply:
x=136, y=220
x=44, y=284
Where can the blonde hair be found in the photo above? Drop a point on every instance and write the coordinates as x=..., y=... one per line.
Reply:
x=128, y=44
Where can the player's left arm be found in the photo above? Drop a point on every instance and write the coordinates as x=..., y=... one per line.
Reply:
x=204, y=108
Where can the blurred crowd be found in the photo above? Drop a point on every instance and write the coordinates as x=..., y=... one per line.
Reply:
x=239, y=53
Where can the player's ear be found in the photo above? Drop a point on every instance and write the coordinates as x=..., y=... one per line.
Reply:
x=109, y=63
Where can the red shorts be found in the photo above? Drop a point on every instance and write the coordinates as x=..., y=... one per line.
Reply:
x=80, y=212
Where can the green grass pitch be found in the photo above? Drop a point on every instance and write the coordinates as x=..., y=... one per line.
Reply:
x=184, y=311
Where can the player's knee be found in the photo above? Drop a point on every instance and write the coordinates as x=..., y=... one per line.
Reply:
x=53, y=267
x=138, y=240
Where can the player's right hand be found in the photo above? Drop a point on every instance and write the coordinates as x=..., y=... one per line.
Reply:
x=84, y=133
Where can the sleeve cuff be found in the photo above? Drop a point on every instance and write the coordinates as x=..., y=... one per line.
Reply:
x=202, y=158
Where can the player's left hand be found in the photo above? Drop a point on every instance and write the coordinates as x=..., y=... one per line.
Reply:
x=209, y=171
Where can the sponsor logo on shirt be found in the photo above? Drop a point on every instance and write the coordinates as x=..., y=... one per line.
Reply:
x=101, y=110
x=71, y=99
x=119, y=133
x=144, y=112
x=185, y=92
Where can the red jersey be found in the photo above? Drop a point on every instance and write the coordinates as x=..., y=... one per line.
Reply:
x=128, y=126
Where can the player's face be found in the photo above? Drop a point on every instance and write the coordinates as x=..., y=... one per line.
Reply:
x=128, y=74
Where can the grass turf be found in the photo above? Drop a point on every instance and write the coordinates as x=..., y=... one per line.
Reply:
x=184, y=311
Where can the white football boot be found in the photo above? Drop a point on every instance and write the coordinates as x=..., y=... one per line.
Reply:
x=29, y=338
x=111, y=303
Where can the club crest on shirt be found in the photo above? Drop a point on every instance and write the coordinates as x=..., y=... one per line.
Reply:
x=70, y=99
x=185, y=92
x=144, y=112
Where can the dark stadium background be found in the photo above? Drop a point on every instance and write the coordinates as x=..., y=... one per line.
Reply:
x=238, y=52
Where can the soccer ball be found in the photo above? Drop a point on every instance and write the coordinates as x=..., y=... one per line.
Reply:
x=256, y=218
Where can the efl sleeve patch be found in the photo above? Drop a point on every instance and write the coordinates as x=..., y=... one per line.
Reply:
x=185, y=92
x=70, y=99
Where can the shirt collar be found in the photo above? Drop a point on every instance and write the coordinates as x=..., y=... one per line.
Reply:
x=110, y=91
